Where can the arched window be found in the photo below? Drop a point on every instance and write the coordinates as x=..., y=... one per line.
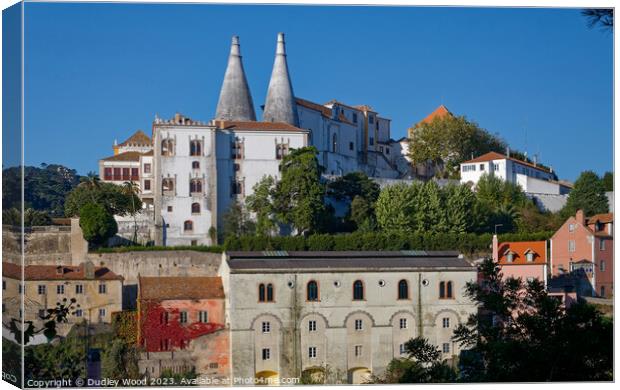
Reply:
x=442, y=289
x=167, y=147
x=167, y=185
x=270, y=292
x=445, y=290
x=449, y=290
x=195, y=186
x=358, y=290
x=188, y=226
x=195, y=208
x=195, y=148
x=312, y=291
x=403, y=289
x=195, y=165
x=261, y=292
x=334, y=143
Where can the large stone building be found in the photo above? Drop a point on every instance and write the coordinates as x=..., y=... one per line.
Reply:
x=192, y=171
x=341, y=314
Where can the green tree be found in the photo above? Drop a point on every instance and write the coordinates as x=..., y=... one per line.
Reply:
x=32, y=217
x=120, y=361
x=459, y=206
x=588, y=194
x=500, y=202
x=430, y=213
x=362, y=213
x=353, y=184
x=115, y=199
x=608, y=181
x=261, y=203
x=97, y=223
x=395, y=207
x=237, y=222
x=448, y=141
x=299, y=196
x=132, y=191
x=545, y=342
x=422, y=365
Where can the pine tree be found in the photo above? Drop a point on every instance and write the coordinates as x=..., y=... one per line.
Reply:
x=588, y=195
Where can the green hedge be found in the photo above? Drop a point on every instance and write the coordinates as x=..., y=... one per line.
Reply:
x=465, y=243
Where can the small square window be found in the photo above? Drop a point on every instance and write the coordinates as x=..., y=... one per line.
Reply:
x=203, y=317
x=79, y=289
x=183, y=317
x=311, y=326
x=312, y=352
x=482, y=167
x=351, y=146
x=571, y=245
x=101, y=313
x=446, y=348
x=359, y=325
x=571, y=227
x=266, y=327
x=401, y=349
x=169, y=209
x=78, y=313
x=602, y=245
x=102, y=289
x=40, y=289
x=358, y=350
x=60, y=289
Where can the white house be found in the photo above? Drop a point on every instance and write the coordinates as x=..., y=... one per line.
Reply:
x=532, y=178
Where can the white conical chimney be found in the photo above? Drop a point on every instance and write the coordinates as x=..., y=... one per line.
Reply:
x=280, y=104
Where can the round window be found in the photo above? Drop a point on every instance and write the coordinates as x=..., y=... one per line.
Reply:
x=381, y=283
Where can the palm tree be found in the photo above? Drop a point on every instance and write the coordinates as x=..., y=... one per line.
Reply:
x=131, y=189
x=602, y=17
x=92, y=183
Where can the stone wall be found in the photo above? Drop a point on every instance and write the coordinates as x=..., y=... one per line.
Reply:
x=43, y=244
x=130, y=265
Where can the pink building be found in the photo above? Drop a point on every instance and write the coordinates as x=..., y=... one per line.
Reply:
x=526, y=259
x=583, y=248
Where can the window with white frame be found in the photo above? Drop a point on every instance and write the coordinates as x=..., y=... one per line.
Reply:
x=312, y=326
x=602, y=245
x=571, y=227
x=602, y=266
x=529, y=256
x=312, y=352
x=446, y=348
x=445, y=322
x=496, y=167
x=358, y=350
x=203, y=316
x=266, y=327
x=469, y=168
x=403, y=323
x=571, y=245
x=102, y=289
x=101, y=313
x=79, y=289
x=359, y=325
x=401, y=349
x=40, y=289
x=60, y=289
x=183, y=317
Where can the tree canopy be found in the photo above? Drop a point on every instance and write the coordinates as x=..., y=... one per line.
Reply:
x=448, y=141
x=588, y=194
x=97, y=224
x=116, y=200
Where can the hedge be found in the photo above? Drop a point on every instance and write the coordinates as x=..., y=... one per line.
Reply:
x=466, y=243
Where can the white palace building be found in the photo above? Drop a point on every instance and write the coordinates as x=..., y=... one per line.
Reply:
x=189, y=171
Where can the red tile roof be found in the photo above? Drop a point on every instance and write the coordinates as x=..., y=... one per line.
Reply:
x=601, y=218
x=440, y=112
x=520, y=249
x=251, y=125
x=138, y=138
x=126, y=156
x=51, y=272
x=498, y=156
x=181, y=287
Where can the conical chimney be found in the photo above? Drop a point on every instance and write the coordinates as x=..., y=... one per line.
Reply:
x=280, y=105
x=235, y=102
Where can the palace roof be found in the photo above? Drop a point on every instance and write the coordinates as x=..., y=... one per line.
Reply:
x=251, y=125
x=137, y=139
x=126, y=156
x=440, y=112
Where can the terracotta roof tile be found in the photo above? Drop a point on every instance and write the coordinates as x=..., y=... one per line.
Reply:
x=50, y=272
x=498, y=156
x=181, y=287
x=126, y=156
x=601, y=218
x=519, y=250
x=250, y=125
x=440, y=112
x=138, y=138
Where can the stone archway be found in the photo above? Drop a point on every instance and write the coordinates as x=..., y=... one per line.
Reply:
x=359, y=375
x=267, y=378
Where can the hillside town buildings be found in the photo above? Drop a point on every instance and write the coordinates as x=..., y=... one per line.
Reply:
x=527, y=260
x=191, y=171
x=97, y=291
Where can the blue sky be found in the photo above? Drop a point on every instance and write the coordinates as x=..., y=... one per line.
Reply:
x=538, y=77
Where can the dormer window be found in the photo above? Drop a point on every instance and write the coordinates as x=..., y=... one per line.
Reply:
x=510, y=257
x=529, y=256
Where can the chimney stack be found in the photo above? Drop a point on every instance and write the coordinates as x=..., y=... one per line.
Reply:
x=495, y=249
x=580, y=217
x=235, y=103
x=280, y=105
